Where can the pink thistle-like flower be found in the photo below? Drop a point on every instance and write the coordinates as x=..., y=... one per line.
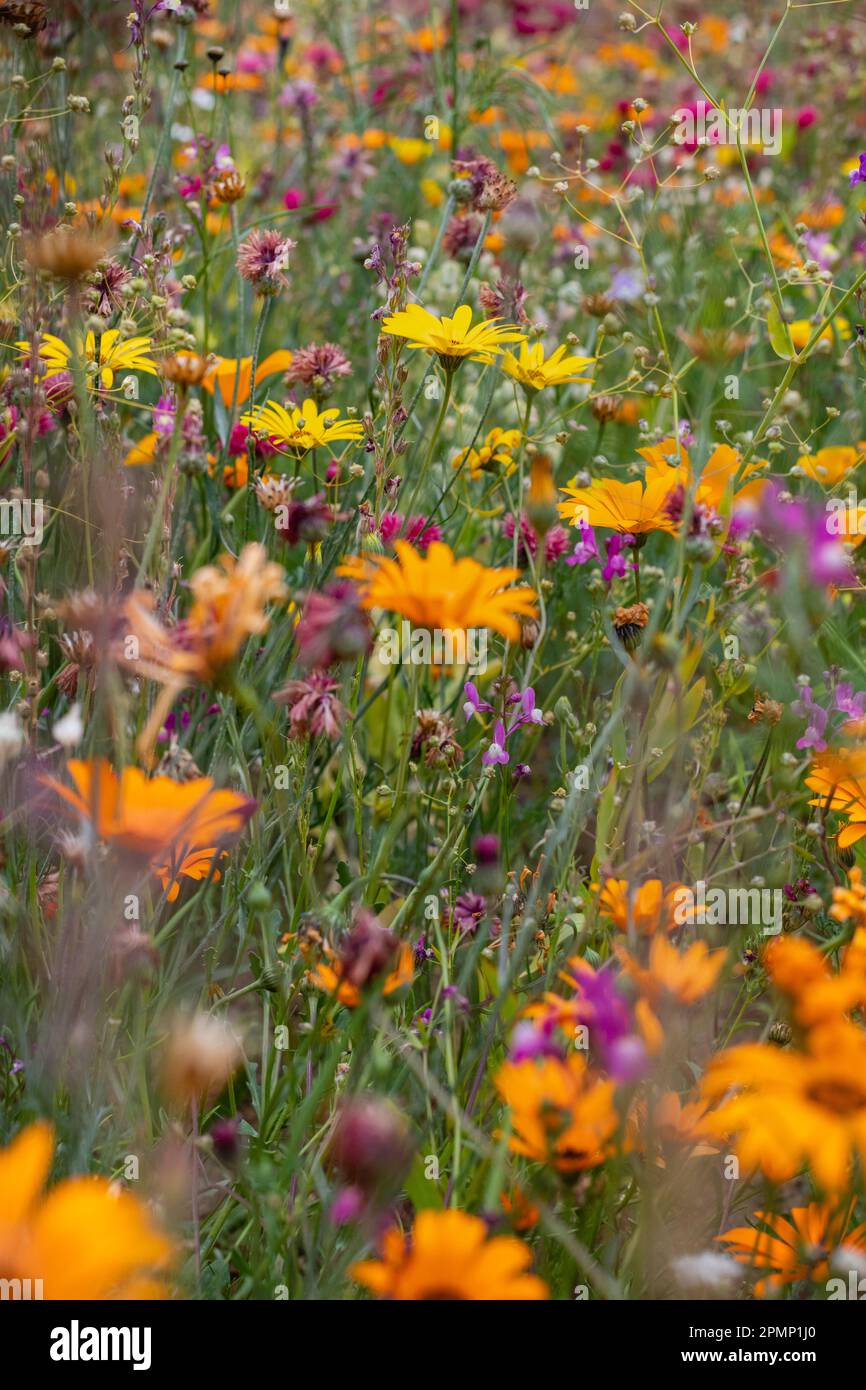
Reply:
x=333, y=627
x=263, y=258
x=320, y=360
x=313, y=707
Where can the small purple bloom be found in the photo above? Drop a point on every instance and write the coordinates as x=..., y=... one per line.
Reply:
x=473, y=705
x=497, y=752
x=858, y=175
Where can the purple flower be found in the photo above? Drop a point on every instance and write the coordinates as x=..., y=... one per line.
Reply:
x=497, y=752
x=858, y=175
x=846, y=702
x=468, y=911
x=806, y=708
x=586, y=548
x=473, y=705
x=616, y=561
x=530, y=1040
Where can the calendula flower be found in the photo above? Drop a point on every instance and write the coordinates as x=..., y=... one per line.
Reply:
x=790, y=1249
x=839, y=778
x=793, y=1108
x=801, y=971
x=177, y=828
x=829, y=466
x=296, y=431
x=229, y=605
x=649, y=908
x=850, y=902
x=115, y=354
x=83, y=1239
x=535, y=372
x=802, y=329
x=716, y=476
x=449, y=1256
x=559, y=1113
x=499, y=448
x=452, y=340
x=671, y=975
x=232, y=378
x=631, y=508
x=437, y=590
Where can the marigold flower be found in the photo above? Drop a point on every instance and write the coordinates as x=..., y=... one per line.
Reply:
x=794, y=1248
x=651, y=907
x=178, y=828
x=716, y=476
x=801, y=971
x=83, y=1239
x=839, y=778
x=829, y=466
x=631, y=508
x=437, y=590
x=791, y=1108
x=672, y=975
x=229, y=602
x=452, y=340
x=535, y=372
x=233, y=378
x=364, y=956
x=559, y=1113
x=450, y=1256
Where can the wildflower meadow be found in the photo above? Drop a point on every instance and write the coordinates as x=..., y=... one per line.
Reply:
x=432, y=676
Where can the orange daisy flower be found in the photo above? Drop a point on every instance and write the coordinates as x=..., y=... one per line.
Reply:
x=450, y=1256
x=559, y=1114
x=437, y=590
x=176, y=827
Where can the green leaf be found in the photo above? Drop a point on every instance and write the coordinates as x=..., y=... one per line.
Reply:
x=780, y=336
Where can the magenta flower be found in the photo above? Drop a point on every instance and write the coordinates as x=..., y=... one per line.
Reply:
x=858, y=175
x=497, y=752
x=472, y=704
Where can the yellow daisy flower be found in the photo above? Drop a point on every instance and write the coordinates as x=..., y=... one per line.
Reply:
x=452, y=339
x=115, y=355
x=296, y=431
x=534, y=372
x=499, y=447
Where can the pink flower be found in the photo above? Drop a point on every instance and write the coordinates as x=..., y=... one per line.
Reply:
x=313, y=707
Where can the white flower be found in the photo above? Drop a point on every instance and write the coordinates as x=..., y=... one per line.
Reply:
x=707, y=1270
x=69, y=729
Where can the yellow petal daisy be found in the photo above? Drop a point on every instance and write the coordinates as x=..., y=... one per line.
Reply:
x=452, y=339
x=534, y=372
